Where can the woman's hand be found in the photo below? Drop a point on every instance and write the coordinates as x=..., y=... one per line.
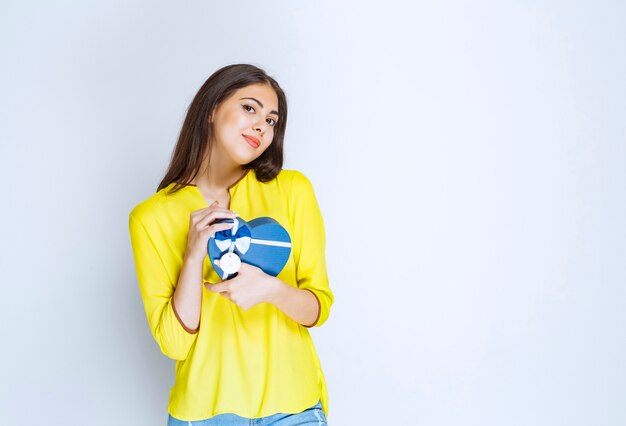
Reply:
x=200, y=228
x=250, y=287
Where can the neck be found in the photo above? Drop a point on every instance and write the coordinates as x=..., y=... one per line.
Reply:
x=219, y=175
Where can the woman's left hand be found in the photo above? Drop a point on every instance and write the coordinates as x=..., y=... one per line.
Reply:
x=250, y=287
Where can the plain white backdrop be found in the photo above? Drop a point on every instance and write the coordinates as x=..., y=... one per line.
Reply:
x=468, y=158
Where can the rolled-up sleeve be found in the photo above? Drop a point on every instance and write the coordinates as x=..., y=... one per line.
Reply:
x=309, y=245
x=156, y=287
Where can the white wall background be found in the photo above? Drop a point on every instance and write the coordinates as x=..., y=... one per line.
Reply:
x=468, y=158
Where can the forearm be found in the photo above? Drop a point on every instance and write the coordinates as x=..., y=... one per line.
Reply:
x=300, y=305
x=187, y=297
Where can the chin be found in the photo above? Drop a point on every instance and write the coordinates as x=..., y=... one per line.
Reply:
x=243, y=160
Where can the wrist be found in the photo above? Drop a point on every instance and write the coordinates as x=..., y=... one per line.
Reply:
x=194, y=257
x=276, y=291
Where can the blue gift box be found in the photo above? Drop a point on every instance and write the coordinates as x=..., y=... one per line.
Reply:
x=261, y=242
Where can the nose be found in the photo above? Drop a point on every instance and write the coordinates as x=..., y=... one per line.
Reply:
x=260, y=126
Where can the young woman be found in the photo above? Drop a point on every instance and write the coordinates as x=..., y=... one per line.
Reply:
x=242, y=346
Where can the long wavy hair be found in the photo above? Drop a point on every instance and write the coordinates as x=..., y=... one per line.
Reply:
x=195, y=138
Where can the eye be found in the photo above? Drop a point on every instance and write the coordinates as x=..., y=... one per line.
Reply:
x=249, y=108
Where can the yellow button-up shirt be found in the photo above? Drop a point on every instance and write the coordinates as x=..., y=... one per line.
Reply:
x=255, y=362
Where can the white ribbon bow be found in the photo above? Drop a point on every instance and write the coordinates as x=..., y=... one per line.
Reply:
x=242, y=243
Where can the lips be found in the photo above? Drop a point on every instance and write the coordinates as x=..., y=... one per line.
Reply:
x=252, y=141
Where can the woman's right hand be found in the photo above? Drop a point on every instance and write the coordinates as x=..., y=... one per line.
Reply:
x=201, y=229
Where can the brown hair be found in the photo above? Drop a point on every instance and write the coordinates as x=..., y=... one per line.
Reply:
x=195, y=136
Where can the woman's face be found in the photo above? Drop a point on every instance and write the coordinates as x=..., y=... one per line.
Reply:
x=243, y=124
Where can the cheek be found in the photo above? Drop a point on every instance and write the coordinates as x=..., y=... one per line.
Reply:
x=236, y=120
x=270, y=139
x=239, y=122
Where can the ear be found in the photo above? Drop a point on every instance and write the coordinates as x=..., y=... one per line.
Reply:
x=211, y=116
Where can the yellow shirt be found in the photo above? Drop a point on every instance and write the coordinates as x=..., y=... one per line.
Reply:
x=255, y=362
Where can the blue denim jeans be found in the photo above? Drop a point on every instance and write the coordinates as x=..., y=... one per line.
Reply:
x=312, y=416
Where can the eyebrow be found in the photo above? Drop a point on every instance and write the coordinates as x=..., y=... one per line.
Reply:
x=258, y=102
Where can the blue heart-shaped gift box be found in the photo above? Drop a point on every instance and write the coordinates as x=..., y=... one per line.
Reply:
x=261, y=242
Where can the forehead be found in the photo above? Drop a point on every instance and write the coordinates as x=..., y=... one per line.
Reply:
x=262, y=92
